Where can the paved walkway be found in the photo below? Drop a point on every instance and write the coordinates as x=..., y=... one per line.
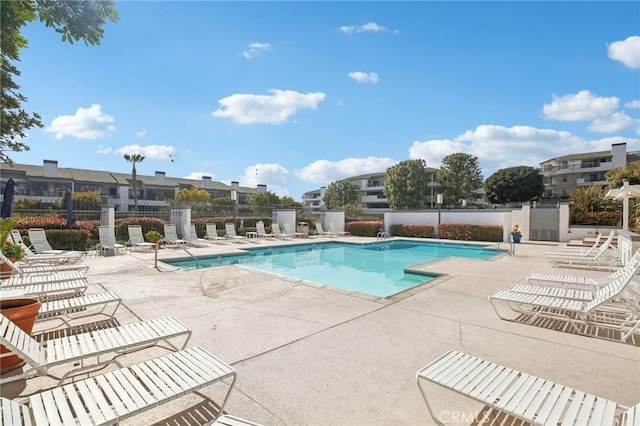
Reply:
x=312, y=355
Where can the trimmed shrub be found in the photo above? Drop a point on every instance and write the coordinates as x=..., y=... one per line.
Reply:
x=365, y=228
x=414, y=231
x=68, y=239
x=465, y=232
x=604, y=218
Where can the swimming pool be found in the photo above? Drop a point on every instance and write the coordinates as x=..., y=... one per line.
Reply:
x=376, y=268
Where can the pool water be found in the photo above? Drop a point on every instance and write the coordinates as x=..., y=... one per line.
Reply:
x=376, y=268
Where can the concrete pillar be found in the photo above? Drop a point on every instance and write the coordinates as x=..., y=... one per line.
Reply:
x=107, y=216
x=180, y=216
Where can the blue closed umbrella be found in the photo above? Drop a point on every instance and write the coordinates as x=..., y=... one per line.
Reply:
x=68, y=205
x=7, y=200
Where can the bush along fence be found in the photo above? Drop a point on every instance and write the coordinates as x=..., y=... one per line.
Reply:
x=453, y=231
x=413, y=231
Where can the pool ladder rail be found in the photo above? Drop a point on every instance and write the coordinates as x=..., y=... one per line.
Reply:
x=183, y=248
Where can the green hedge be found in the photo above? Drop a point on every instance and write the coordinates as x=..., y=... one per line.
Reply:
x=414, y=231
x=606, y=218
x=465, y=232
x=68, y=239
x=364, y=228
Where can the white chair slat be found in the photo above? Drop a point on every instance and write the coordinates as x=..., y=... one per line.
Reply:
x=105, y=408
x=517, y=388
x=76, y=405
x=113, y=394
x=574, y=408
x=526, y=399
x=158, y=387
x=40, y=416
x=536, y=404
x=90, y=402
x=62, y=406
x=492, y=388
x=133, y=388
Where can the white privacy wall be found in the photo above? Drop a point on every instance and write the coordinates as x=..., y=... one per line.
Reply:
x=286, y=218
x=332, y=220
x=506, y=218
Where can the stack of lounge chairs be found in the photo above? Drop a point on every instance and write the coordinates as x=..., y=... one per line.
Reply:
x=110, y=397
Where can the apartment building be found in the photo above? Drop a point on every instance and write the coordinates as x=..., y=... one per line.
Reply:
x=47, y=183
x=370, y=193
x=569, y=172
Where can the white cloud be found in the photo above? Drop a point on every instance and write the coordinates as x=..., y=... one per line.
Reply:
x=498, y=147
x=325, y=172
x=156, y=152
x=87, y=123
x=370, y=27
x=615, y=122
x=580, y=106
x=632, y=104
x=256, y=49
x=103, y=149
x=272, y=175
x=199, y=175
x=273, y=109
x=626, y=51
x=141, y=134
x=364, y=77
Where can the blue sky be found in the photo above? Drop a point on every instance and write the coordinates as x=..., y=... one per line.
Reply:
x=297, y=95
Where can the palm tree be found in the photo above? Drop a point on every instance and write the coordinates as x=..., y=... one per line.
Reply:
x=134, y=158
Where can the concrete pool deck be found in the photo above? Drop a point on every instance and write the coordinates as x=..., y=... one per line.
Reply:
x=307, y=354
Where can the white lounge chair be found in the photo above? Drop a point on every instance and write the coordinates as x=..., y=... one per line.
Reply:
x=321, y=231
x=44, y=258
x=231, y=232
x=112, y=397
x=275, y=229
x=295, y=234
x=212, y=232
x=262, y=233
x=136, y=239
x=73, y=308
x=108, y=241
x=52, y=277
x=41, y=357
x=338, y=233
x=614, y=308
x=228, y=420
x=39, y=242
x=40, y=269
x=584, y=250
x=604, y=258
x=593, y=283
x=518, y=394
x=171, y=235
x=45, y=291
x=194, y=240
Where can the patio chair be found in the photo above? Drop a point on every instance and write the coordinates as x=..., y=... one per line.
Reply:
x=212, y=232
x=136, y=239
x=614, y=308
x=112, y=397
x=295, y=234
x=603, y=258
x=321, y=231
x=171, y=235
x=262, y=233
x=39, y=242
x=40, y=269
x=54, y=277
x=521, y=395
x=45, y=291
x=46, y=258
x=41, y=357
x=338, y=233
x=108, y=241
x=594, y=283
x=73, y=308
x=275, y=229
x=194, y=240
x=585, y=250
x=231, y=232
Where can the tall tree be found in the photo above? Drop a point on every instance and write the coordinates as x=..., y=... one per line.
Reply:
x=459, y=177
x=74, y=20
x=406, y=184
x=339, y=194
x=514, y=184
x=631, y=173
x=134, y=158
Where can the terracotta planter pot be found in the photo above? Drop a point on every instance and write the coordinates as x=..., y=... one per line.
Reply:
x=22, y=312
x=5, y=270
